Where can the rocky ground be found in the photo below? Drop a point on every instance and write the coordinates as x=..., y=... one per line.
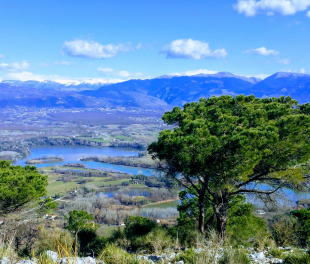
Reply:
x=260, y=257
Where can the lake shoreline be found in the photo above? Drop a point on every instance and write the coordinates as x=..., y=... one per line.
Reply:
x=120, y=161
x=160, y=202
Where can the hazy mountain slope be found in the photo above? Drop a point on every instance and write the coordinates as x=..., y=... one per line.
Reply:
x=73, y=86
x=173, y=91
x=11, y=96
x=159, y=93
x=296, y=85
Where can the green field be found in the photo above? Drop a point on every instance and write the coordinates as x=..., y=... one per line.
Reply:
x=59, y=187
x=95, y=139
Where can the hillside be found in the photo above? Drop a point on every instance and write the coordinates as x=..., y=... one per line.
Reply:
x=160, y=93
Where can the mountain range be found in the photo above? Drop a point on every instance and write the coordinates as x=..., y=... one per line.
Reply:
x=158, y=93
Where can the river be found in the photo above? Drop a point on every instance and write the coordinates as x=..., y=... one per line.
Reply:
x=72, y=154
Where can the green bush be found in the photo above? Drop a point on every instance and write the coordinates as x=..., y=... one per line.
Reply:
x=232, y=256
x=189, y=256
x=297, y=259
x=136, y=228
x=51, y=239
x=276, y=253
x=157, y=240
x=284, y=230
x=303, y=229
x=115, y=255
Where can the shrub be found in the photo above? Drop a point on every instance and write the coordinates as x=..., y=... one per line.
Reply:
x=188, y=256
x=125, y=183
x=113, y=255
x=276, y=253
x=297, y=258
x=284, y=230
x=157, y=240
x=232, y=256
x=48, y=240
x=136, y=228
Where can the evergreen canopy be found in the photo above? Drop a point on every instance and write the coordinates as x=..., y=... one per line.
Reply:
x=221, y=145
x=19, y=185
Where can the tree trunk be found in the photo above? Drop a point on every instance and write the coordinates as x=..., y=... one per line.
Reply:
x=201, y=207
x=220, y=207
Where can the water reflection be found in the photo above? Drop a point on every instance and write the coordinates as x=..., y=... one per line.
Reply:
x=72, y=154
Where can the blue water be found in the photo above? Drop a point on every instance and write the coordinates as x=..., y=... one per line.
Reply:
x=285, y=196
x=72, y=154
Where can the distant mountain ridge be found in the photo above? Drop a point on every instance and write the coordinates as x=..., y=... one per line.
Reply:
x=253, y=80
x=159, y=93
x=68, y=86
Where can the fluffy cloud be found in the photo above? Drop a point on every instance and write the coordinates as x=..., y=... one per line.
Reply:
x=27, y=76
x=284, y=61
x=270, y=7
x=2, y=56
x=15, y=66
x=112, y=72
x=263, y=51
x=308, y=14
x=95, y=50
x=191, y=49
x=194, y=72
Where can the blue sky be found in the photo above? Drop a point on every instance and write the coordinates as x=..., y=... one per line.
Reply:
x=118, y=39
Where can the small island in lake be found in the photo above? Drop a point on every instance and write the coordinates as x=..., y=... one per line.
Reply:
x=132, y=161
x=75, y=165
x=43, y=160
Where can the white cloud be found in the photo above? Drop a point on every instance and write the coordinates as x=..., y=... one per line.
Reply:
x=27, y=76
x=66, y=63
x=95, y=50
x=194, y=72
x=15, y=66
x=302, y=70
x=263, y=51
x=308, y=14
x=191, y=49
x=270, y=7
x=123, y=74
x=284, y=61
x=2, y=56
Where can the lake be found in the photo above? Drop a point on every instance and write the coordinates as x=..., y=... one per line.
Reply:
x=72, y=154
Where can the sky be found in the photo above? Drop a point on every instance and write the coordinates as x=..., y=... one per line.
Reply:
x=113, y=40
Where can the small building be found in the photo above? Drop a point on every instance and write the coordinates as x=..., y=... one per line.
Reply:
x=74, y=191
x=121, y=224
x=157, y=221
x=135, y=182
x=261, y=212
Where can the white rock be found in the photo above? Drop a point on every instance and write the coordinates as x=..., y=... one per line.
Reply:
x=53, y=255
x=87, y=260
x=259, y=255
x=4, y=260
